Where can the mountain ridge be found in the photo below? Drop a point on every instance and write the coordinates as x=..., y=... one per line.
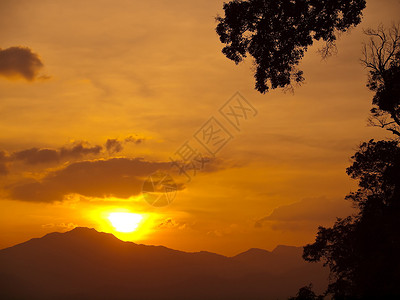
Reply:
x=93, y=230
x=86, y=264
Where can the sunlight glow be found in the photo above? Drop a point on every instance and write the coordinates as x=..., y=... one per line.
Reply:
x=124, y=222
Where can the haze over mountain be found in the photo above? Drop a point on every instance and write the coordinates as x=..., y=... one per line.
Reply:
x=86, y=264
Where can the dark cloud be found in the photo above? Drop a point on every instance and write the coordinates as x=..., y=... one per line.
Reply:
x=113, y=146
x=19, y=62
x=118, y=177
x=41, y=156
x=79, y=150
x=168, y=223
x=3, y=163
x=36, y=156
x=134, y=140
x=309, y=212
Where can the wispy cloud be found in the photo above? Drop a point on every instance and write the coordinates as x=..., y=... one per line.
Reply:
x=307, y=213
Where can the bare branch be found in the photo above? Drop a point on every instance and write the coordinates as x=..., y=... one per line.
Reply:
x=382, y=119
x=381, y=58
x=394, y=131
x=381, y=47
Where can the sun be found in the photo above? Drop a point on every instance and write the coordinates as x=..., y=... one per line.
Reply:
x=124, y=222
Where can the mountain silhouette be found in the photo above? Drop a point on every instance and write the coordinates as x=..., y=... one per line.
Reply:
x=86, y=264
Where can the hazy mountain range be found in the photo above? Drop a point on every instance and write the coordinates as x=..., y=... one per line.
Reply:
x=86, y=264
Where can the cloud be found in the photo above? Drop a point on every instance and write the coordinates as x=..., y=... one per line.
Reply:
x=79, y=151
x=309, y=212
x=3, y=163
x=34, y=156
x=19, y=62
x=116, y=177
x=227, y=230
x=134, y=140
x=113, y=146
x=62, y=226
x=170, y=223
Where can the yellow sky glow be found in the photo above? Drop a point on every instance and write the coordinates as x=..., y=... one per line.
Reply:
x=125, y=222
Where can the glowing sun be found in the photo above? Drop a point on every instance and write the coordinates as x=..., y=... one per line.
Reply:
x=124, y=222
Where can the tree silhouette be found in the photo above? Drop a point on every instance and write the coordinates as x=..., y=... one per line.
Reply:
x=382, y=58
x=306, y=293
x=362, y=250
x=277, y=33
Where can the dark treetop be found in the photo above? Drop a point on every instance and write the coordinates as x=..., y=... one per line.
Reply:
x=277, y=33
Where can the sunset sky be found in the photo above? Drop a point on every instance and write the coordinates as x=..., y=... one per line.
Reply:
x=106, y=92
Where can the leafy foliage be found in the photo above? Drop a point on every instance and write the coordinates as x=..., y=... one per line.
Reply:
x=306, y=293
x=277, y=33
x=362, y=251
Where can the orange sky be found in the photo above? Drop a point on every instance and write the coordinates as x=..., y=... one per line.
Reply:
x=150, y=74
